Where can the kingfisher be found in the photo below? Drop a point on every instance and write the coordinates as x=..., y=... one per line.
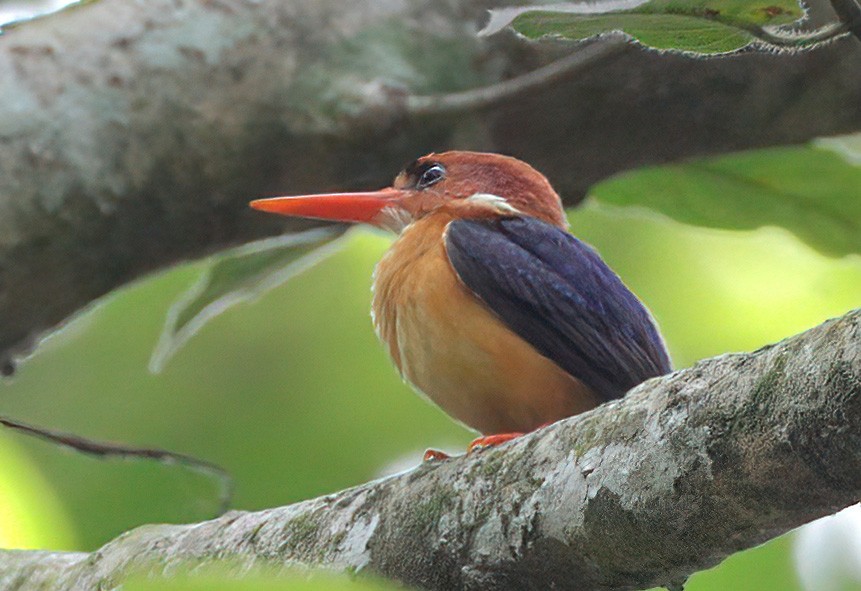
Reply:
x=486, y=303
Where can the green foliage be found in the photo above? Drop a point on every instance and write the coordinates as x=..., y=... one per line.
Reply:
x=697, y=26
x=236, y=276
x=809, y=190
x=31, y=513
x=659, y=31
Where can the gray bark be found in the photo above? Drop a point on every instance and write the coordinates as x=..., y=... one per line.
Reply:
x=132, y=134
x=643, y=491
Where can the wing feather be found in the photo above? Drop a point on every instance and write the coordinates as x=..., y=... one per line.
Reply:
x=557, y=294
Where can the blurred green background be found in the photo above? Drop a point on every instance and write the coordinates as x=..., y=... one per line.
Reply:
x=294, y=396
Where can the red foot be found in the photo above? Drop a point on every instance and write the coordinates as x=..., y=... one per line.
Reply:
x=435, y=455
x=491, y=441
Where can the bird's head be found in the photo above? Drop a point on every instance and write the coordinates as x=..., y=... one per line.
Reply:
x=467, y=184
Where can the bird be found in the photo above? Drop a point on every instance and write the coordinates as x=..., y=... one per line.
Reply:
x=486, y=302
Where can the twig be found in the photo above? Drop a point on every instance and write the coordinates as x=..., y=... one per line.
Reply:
x=103, y=449
x=583, y=58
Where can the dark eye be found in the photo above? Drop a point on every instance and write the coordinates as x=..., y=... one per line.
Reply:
x=433, y=174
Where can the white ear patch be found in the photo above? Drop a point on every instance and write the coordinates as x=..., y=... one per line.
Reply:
x=494, y=202
x=394, y=218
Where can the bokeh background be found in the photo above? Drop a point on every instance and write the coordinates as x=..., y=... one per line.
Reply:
x=294, y=396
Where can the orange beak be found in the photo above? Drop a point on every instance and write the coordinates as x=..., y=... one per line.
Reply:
x=338, y=207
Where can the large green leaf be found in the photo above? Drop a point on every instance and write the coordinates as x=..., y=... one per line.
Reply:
x=695, y=26
x=236, y=276
x=813, y=191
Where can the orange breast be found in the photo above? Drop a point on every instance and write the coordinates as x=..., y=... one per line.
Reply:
x=448, y=344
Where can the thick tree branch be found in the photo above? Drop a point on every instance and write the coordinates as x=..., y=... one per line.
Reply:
x=643, y=491
x=132, y=134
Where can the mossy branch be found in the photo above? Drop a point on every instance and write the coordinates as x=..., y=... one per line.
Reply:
x=684, y=471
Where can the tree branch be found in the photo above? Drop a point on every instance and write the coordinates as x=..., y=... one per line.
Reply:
x=105, y=449
x=583, y=58
x=643, y=491
x=132, y=134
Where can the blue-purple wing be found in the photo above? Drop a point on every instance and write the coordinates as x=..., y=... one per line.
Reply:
x=557, y=294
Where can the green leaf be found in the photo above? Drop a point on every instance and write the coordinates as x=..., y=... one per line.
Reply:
x=239, y=275
x=812, y=191
x=704, y=27
x=657, y=31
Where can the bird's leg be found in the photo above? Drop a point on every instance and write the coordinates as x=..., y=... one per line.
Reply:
x=434, y=455
x=486, y=441
x=478, y=444
x=493, y=440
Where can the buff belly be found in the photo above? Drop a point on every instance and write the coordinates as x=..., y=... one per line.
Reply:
x=449, y=346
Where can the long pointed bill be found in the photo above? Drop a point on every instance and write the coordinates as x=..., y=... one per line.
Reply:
x=338, y=207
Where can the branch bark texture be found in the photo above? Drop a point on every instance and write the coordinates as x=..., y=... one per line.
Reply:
x=684, y=471
x=132, y=134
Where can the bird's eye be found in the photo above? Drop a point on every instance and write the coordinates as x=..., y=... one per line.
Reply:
x=433, y=174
